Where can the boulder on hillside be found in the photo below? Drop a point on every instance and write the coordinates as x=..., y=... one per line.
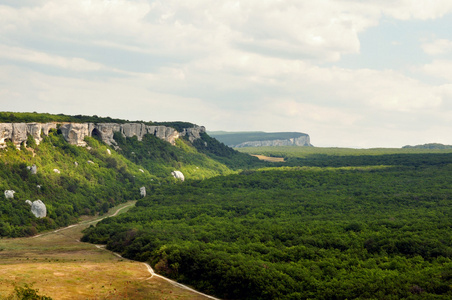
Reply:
x=28, y=202
x=56, y=171
x=9, y=194
x=143, y=191
x=38, y=208
x=178, y=175
x=33, y=169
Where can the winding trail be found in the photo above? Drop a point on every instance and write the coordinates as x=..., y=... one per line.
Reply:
x=149, y=268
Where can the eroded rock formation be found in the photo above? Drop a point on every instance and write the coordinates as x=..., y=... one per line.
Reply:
x=105, y=131
x=143, y=191
x=75, y=133
x=193, y=133
x=18, y=132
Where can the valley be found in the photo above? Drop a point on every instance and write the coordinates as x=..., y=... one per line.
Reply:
x=304, y=223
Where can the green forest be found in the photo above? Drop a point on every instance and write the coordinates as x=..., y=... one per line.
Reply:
x=327, y=223
x=368, y=232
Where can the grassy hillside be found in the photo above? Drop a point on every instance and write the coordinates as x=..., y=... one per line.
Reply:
x=74, y=181
x=70, y=180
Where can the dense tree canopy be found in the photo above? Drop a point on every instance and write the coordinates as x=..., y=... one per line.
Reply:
x=299, y=233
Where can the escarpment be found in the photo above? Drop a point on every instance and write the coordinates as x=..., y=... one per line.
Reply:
x=300, y=141
x=75, y=133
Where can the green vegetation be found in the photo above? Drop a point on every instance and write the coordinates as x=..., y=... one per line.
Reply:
x=373, y=232
x=235, y=138
x=228, y=156
x=161, y=158
x=26, y=293
x=19, y=117
x=327, y=223
x=74, y=181
x=88, y=182
x=430, y=146
x=343, y=157
x=16, y=117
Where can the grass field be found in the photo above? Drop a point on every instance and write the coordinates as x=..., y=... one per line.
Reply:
x=61, y=267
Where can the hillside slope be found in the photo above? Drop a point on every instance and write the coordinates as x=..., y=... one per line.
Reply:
x=72, y=181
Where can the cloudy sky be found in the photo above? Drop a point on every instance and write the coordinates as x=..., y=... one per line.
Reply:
x=350, y=73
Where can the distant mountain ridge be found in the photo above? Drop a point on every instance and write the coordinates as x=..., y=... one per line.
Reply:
x=430, y=146
x=261, y=139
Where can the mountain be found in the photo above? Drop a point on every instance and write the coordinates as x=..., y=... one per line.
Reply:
x=261, y=139
x=55, y=168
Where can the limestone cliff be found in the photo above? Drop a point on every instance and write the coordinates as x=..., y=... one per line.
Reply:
x=75, y=133
x=300, y=141
x=261, y=139
x=18, y=132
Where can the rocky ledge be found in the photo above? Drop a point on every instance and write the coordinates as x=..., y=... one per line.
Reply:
x=75, y=133
x=300, y=141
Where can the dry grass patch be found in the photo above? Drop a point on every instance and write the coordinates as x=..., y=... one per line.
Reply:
x=269, y=158
x=61, y=267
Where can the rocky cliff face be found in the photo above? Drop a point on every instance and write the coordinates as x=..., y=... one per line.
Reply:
x=75, y=133
x=18, y=132
x=300, y=141
x=193, y=133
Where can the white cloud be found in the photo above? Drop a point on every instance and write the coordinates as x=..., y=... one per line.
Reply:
x=73, y=63
x=255, y=65
x=439, y=68
x=439, y=46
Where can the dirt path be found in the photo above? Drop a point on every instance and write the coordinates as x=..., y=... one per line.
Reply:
x=153, y=274
x=149, y=268
x=62, y=267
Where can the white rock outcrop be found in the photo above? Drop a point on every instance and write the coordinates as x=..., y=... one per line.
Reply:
x=108, y=151
x=18, y=132
x=193, y=133
x=75, y=133
x=33, y=169
x=38, y=208
x=56, y=171
x=28, y=202
x=9, y=194
x=178, y=175
x=143, y=191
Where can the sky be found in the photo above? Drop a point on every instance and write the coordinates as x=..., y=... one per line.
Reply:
x=350, y=73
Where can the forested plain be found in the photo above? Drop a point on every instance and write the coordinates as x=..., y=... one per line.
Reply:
x=370, y=226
